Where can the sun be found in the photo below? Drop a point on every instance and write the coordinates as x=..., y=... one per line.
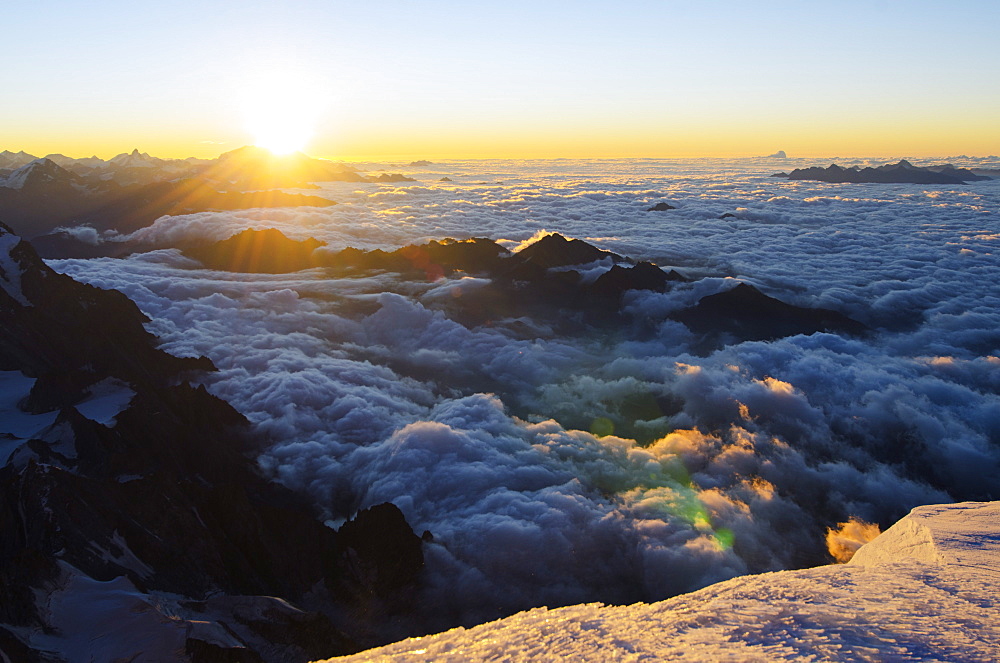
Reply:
x=280, y=133
x=281, y=109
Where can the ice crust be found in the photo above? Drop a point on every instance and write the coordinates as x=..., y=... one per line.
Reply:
x=925, y=590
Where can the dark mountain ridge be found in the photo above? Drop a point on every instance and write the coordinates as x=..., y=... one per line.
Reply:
x=902, y=172
x=160, y=494
x=541, y=281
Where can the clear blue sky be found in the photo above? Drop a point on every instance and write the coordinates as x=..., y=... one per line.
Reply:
x=516, y=78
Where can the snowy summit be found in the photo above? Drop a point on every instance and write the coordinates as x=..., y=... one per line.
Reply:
x=924, y=590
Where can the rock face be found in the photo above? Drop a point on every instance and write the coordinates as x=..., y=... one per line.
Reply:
x=123, y=485
x=898, y=173
x=661, y=207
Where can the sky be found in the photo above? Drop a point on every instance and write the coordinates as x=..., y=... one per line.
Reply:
x=513, y=79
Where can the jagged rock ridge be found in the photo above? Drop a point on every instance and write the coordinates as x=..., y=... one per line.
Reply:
x=150, y=497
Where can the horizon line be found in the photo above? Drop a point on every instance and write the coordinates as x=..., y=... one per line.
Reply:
x=418, y=157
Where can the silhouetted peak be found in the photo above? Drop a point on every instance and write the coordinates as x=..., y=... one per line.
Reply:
x=262, y=251
x=556, y=251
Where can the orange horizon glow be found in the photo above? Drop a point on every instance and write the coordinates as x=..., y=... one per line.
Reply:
x=393, y=146
x=394, y=155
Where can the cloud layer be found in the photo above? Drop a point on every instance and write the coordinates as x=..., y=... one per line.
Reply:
x=486, y=436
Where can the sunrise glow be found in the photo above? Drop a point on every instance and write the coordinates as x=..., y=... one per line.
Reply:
x=515, y=330
x=275, y=132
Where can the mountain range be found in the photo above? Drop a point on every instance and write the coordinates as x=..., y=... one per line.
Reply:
x=902, y=172
x=130, y=191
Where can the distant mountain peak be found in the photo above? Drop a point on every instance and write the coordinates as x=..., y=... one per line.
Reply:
x=15, y=160
x=37, y=171
x=134, y=159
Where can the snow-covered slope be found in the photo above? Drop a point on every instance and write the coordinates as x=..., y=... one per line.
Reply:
x=925, y=590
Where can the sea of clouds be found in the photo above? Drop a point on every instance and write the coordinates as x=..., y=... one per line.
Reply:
x=732, y=462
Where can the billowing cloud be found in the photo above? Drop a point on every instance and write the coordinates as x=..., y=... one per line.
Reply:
x=614, y=466
x=844, y=540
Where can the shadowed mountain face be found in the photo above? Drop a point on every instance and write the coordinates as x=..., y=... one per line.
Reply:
x=117, y=471
x=898, y=173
